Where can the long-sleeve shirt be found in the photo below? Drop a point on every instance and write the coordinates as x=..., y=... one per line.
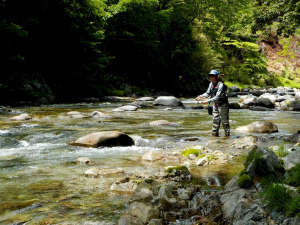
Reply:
x=215, y=95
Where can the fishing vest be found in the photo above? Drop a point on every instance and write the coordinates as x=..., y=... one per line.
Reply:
x=223, y=97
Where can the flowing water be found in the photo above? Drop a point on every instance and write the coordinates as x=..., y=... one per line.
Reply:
x=41, y=184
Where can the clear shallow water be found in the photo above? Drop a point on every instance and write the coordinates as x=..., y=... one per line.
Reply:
x=40, y=183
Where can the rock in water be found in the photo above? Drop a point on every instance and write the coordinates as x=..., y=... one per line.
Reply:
x=168, y=101
x=104, y=138
x=259, y=127
x=163, y=123
x=23, y=116
x=152, y=156
x=125, y=108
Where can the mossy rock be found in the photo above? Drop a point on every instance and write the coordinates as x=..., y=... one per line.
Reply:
x=190, y=151
x=177, y=170
x=253, y=155
x=45, y=185
x=245, y=181
x=262, y=162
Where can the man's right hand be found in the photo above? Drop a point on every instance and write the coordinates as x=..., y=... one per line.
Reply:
x=198, y=98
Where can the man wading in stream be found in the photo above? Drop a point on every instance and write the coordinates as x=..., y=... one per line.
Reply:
x=217, y=94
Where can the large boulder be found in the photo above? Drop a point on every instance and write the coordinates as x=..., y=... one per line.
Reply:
x=265, y=102
x=269, y=96
x=104, y=138
x=263, y=162
x=239, y=207
x=259, y=127
x=167, y=101
x=21, y=117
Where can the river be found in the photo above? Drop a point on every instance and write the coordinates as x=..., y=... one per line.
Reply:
x=40, y=183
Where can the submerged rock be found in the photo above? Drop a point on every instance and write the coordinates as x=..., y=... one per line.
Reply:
x=144, y=212
x=104, y=138
x=124, y=186
x=152, y=156
x=259, y=127
x=92, y=172
x=23, y=116
x=162, y=123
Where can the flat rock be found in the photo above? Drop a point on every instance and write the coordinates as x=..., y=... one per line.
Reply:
x=126, y=108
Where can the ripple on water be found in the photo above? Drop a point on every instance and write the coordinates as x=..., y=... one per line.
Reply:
x=4, y=132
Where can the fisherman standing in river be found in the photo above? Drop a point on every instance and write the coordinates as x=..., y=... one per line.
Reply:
x=217, y=94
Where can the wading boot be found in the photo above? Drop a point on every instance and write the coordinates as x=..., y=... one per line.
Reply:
x=215, y=134
x=227, y=134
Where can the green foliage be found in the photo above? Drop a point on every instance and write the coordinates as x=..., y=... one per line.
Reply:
x=277, y=197
x=293, y=208
x=254, y=155
x=245, y=181
x=282, y=150
x=284, y=14
x=187, y=152
x=293, y=176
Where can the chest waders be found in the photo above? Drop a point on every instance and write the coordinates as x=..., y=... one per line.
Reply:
x=220, y=111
